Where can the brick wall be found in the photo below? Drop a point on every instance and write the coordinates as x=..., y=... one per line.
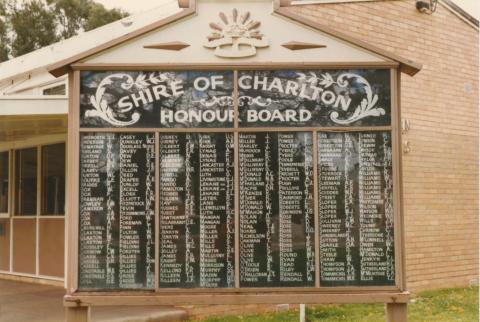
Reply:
x=440, y=173
x=441, y=102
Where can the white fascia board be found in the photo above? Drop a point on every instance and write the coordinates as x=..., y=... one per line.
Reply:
x=305, y=2
x=10, y=106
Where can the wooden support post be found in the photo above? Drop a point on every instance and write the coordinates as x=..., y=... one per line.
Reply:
x=396, y=312
x=77, y=314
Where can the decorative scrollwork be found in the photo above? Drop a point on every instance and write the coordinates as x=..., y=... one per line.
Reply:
x=221, y=101
x=224, y=101
x=367, y=106
x=110, y=114
x=259, y=101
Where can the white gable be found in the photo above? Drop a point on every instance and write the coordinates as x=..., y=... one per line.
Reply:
x=195, y=29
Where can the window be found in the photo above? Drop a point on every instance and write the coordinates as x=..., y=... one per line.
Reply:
x=26, y=182
x=4, y=182
x=55, y=90
x=32, y=241
x=53, y=179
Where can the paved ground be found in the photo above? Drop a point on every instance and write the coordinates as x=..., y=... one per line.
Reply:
x=24, y=302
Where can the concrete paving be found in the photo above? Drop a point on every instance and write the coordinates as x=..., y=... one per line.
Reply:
x=25, y=302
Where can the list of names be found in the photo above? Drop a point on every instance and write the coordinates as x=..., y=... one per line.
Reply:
x=117, y=211
x=276, y=210
x=197, y=211
x=355, y=209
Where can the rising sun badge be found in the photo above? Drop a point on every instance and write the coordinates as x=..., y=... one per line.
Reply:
x=236, y=37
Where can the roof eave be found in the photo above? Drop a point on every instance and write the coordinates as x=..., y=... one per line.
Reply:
x=407, y=66
x=63, y=67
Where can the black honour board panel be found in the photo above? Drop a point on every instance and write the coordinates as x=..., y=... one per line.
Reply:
x=117, y=211
x=356, y=209
x=299, y=98
x=197, y=230
x=277, y=246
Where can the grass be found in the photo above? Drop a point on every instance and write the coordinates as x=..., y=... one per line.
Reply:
x=447, y=305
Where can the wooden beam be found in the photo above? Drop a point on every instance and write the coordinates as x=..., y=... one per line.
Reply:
x=183, y=3
x=190, y=298
x=396, y=312
x=281, y=3
x=233, y=65
x=77, y=314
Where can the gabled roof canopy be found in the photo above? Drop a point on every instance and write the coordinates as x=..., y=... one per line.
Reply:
x=36, y=62
x=179, y=38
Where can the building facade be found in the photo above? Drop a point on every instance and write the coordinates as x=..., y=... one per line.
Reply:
x=439, y=137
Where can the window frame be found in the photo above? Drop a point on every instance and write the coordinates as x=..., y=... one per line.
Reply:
x=307, y=2
x=14, y=174
x=7, y=214
x=40, y=213
x=12, y=216
x=53, y=85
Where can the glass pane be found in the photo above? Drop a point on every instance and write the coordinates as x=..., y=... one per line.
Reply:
x=4, y=182
x=53, y=179
x=298, y=98
x=57, y=90
x=356, y=209
x=4, y=244
x=197, y=234
x=277, y=231
x=26, y=182
x=117, y=211
x=167, y=99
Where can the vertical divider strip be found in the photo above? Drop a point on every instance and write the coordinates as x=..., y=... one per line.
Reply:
x=39, y=209
x=396, y=141
x=11, y=210
x=157, y=211
x=73, y=218
x=237, y=179
x=315, y=210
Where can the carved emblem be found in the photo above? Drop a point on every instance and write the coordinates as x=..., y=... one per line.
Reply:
x=236, y=37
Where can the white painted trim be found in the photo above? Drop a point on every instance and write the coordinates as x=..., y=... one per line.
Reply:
x=50, y=278
x=33, y=106
x=39, y=209
x=32, y=142
x=446, y=6
x=11, y=244
x=32, y=97
x=12, y=205
x=305, y=2
x=66, y=218
x=51, y=216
